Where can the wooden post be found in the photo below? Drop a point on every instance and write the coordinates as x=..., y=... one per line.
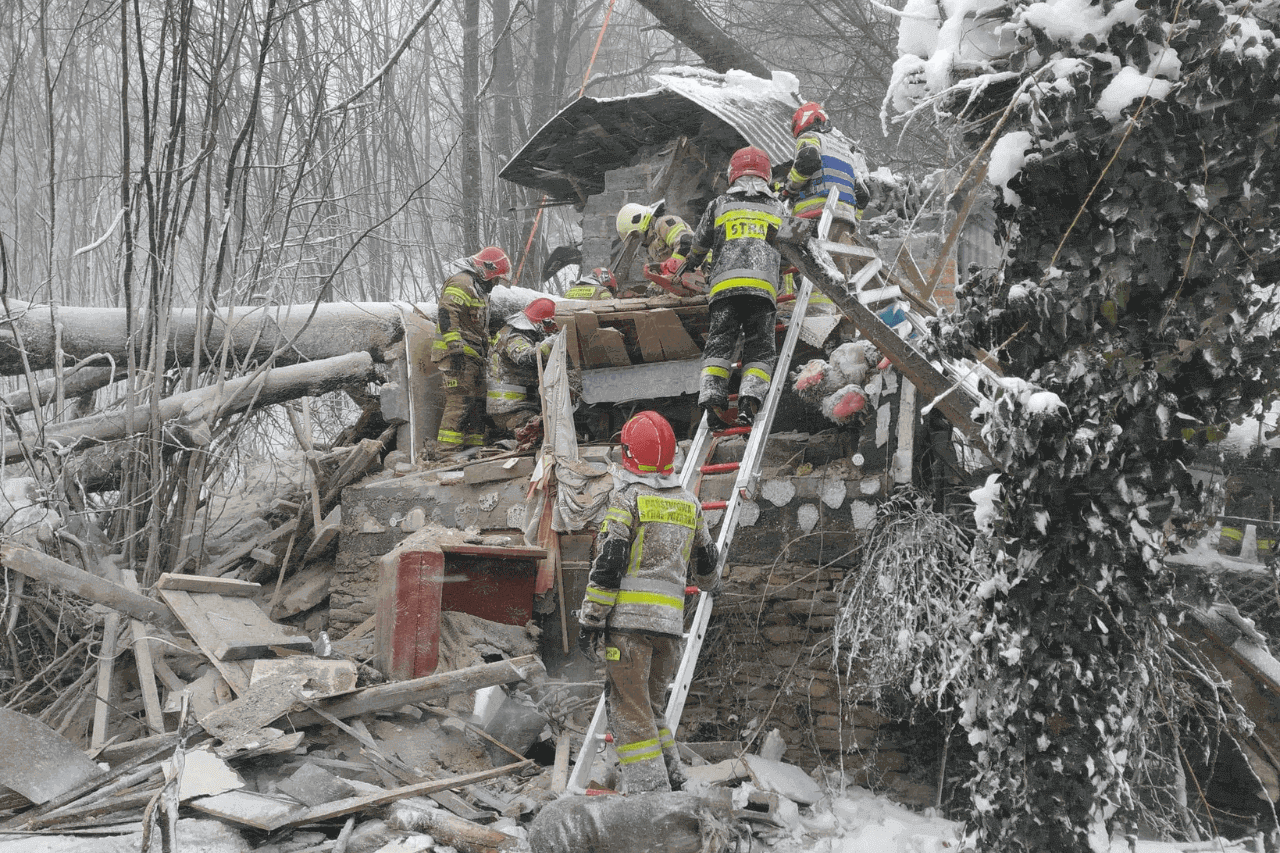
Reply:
x=146, y=668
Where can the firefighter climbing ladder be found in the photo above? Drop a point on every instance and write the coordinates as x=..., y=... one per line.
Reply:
x=870, y=283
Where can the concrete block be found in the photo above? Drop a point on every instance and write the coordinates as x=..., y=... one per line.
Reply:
x=498, y=469
x=786, y=780
x=730, y=770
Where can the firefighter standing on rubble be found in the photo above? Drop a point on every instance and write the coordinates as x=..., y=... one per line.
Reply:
x=513, y=368
x=634, y=602
x=462, y=345
x=825, y=163
x=667, y=239
x=741, y=228
x=600, y=283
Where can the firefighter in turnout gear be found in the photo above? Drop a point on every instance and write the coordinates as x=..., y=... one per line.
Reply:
x=514, y=395
x=461, y=347
x=741, y=228
x=667, y=239
x=824, y=163
x=634, y=602
x=600, y=283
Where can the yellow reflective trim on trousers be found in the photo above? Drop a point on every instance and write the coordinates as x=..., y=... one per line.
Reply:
x=446, y=436
x=642, y=750
x=463, y=297
x=631, y=596
x=600, y=596
x=507, y=395
x=744, y=284
x=759, y=374
x=667, y=511
x=1233, y=533
x=475, y=439
x=713, y=370
x=665, y=738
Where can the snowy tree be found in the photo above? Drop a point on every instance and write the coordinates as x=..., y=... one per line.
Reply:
x=1133, y=145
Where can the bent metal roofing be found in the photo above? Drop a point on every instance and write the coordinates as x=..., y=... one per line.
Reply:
x=568, y=158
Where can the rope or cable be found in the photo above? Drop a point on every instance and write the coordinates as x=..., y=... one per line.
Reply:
x=533, y=229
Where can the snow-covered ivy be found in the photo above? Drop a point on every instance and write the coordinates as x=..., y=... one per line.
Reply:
x=1137, y=176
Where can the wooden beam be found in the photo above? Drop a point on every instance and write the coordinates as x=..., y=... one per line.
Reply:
x=429, y=688
x=68, y=578
x=342, y=808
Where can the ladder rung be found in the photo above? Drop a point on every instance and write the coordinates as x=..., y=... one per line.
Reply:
x=720, y=467
x=709, y=505
x=733, y=430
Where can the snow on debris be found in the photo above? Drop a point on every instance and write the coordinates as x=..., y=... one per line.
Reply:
x=1007, y=158
x=858, y=821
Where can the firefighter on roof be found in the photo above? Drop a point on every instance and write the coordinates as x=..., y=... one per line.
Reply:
x=514, y=394
x=825, y=163
x=461, y=347
x=741, y=227
x=600, y=283
x=635, y=597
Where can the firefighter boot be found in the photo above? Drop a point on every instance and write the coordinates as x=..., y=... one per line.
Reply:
x=713, y=392
x=748, y=408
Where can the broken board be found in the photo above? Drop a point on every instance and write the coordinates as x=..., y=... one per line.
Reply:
x=36, y=761
x=217, y=623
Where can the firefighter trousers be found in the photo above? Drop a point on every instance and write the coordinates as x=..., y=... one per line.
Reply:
x=754, y=317
x=640, y=668
x=462, y=422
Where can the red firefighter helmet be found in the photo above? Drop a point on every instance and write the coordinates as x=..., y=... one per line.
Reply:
x=605, y=278
x=490, y=263
x=807, y=116
x=749, y=161
x=542, y=313
x=648, y=444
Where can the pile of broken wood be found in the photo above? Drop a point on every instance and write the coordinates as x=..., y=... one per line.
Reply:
x=296, y=746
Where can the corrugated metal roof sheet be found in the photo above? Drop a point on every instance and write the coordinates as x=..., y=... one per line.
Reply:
x=569, y=156
x=756, y=108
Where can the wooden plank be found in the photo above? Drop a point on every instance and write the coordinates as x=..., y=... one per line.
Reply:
x=142, y=660
x=68, y=578
x=208, y=628
x=245, y=807
x=250, y=649
x=342, y=808
x=235, y=556
x=429, y=688
x=560, y=769
x=106, y=672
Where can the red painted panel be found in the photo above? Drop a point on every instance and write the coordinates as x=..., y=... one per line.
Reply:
x=409, y=602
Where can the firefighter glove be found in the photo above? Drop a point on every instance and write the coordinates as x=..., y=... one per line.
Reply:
x=544, y=348
x=589, y=640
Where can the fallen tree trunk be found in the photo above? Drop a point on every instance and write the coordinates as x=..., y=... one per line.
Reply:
x=430, y=688
x=252, y=332
x=690, y=25
x=68, y=578
x=197, y=407
x=74, y=384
